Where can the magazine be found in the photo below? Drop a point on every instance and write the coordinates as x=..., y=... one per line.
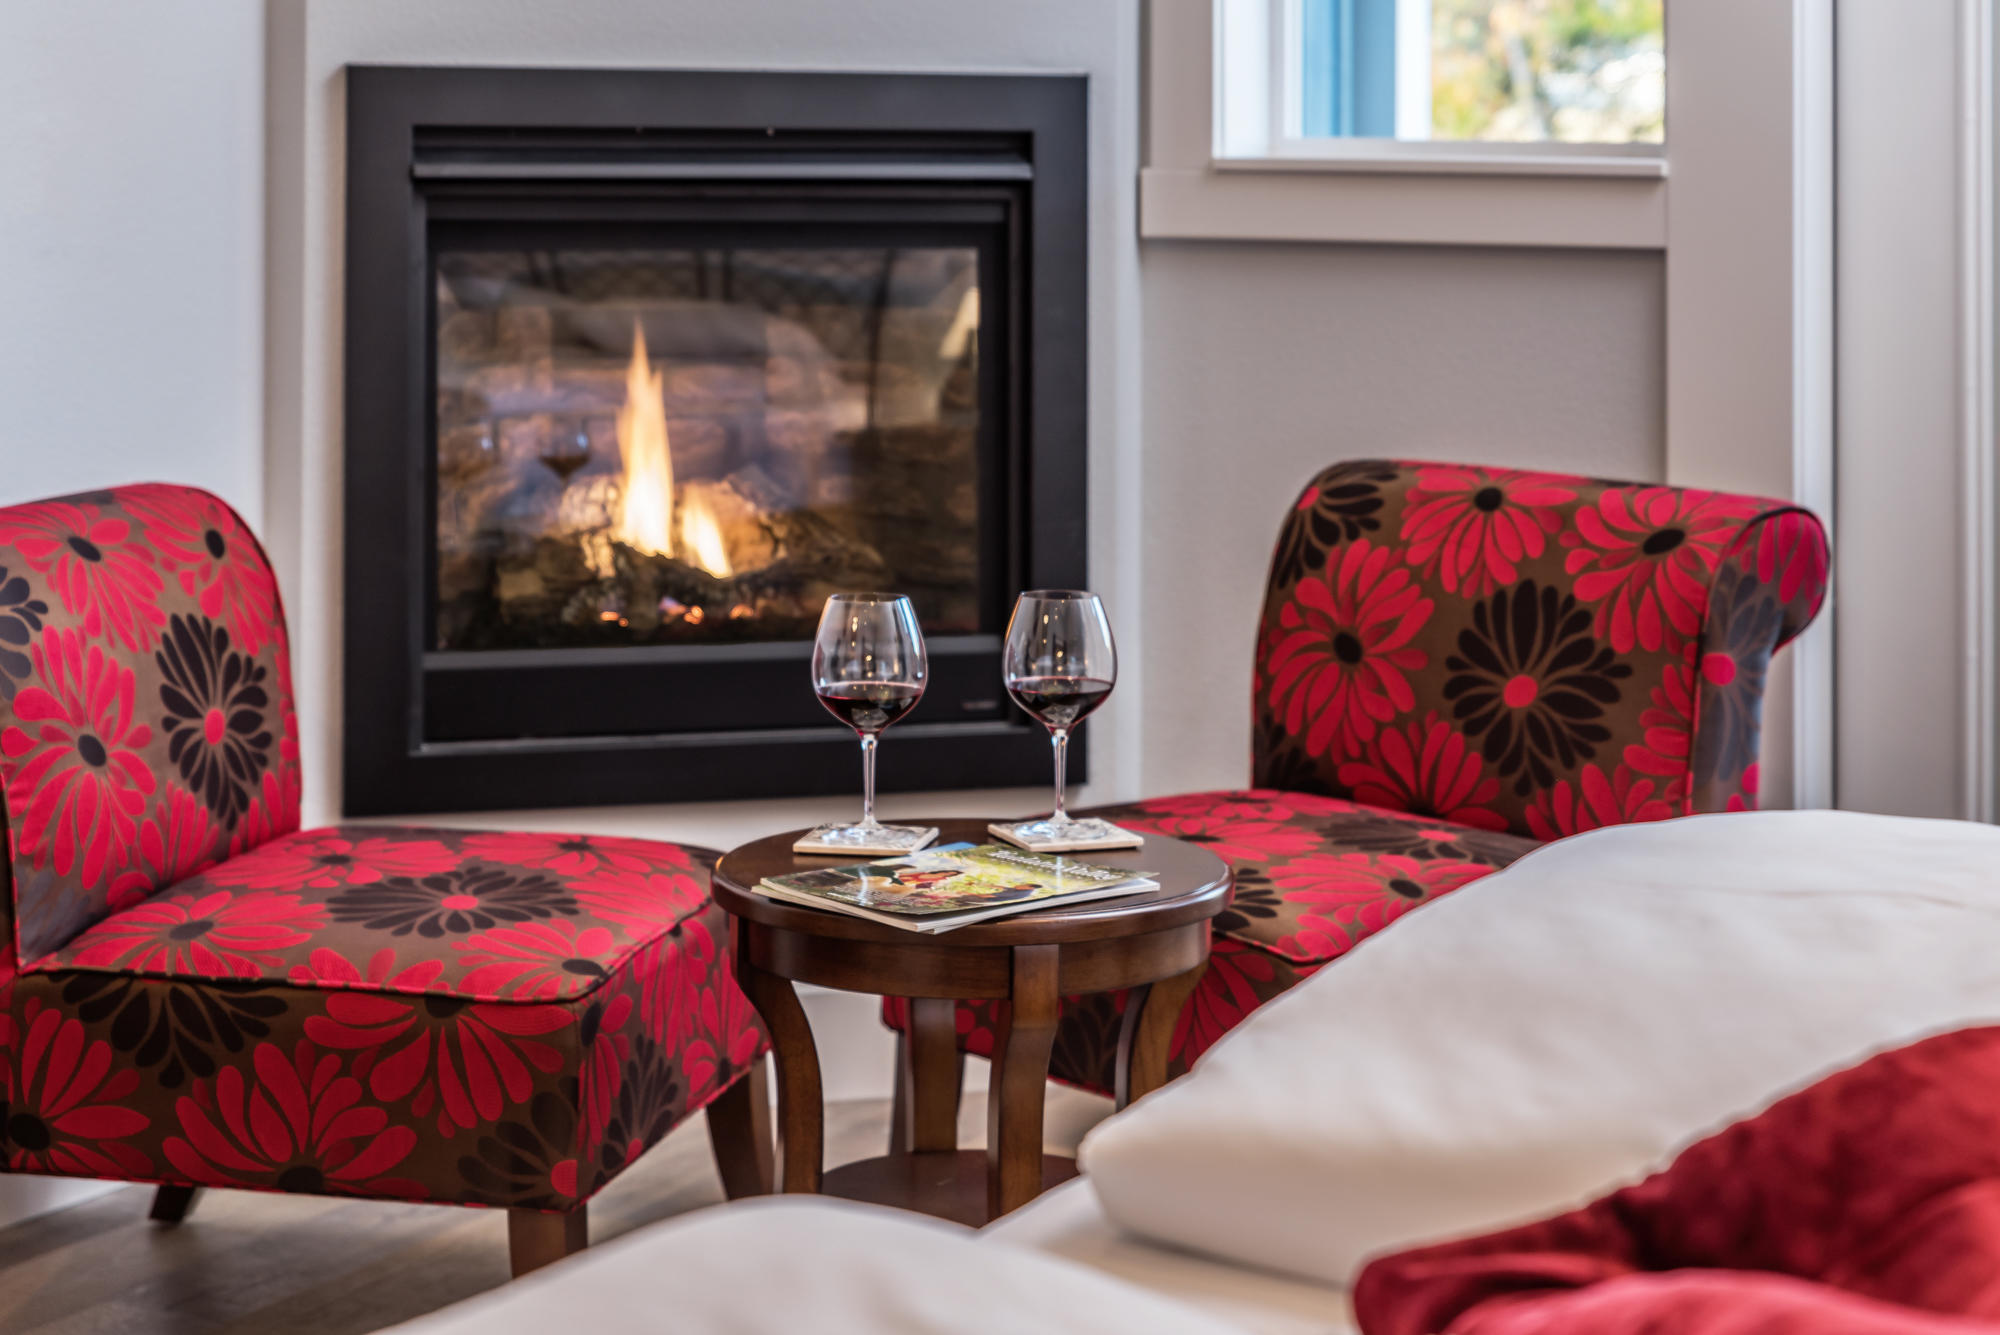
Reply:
x=954, y=885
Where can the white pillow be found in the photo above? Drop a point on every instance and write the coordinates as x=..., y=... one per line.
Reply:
x=783, y=1265
x=1558, y=1029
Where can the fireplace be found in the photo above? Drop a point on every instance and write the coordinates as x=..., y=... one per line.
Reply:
x=643, y=365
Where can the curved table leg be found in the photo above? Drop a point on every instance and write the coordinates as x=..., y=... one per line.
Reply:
x=1019, y=1081
x=801, y=1111
x=930, y=1073
x=1145, y=1040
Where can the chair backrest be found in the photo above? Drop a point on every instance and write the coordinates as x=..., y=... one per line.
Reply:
x=1525, y=651
x=146, y=723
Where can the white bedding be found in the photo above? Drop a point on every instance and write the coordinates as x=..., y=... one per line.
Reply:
x=1557, y=1029
x=1069, y=1222
x=787, y=1265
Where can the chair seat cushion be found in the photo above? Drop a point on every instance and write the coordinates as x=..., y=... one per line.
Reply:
x=444, y=1015
x=480, y=915
x=1315, y=876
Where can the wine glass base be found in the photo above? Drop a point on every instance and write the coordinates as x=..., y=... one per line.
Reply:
x=1049, y=835
x=865, y=840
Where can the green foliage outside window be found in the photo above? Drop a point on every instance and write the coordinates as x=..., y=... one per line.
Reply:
x=1574, y=71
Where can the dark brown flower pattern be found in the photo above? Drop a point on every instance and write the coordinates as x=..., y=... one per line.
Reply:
x=217, y=722
x=1532, y=684
x=467, y=899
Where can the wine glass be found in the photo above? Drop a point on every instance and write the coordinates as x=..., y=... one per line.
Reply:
x=1059, y=665
x=869, y=669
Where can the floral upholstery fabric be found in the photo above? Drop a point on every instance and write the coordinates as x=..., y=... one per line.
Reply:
x=146, y=719
x=195, y=992
x=1452, y=664
x=1599, y=648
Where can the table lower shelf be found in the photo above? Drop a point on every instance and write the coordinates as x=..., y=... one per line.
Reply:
x=950, y=1184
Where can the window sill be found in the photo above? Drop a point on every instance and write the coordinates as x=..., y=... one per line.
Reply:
x=1400, y=161
x=1284, y=199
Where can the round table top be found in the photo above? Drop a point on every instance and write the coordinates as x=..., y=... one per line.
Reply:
x=1194, y=884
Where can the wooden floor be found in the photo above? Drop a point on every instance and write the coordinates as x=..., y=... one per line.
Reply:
x=247, y=1263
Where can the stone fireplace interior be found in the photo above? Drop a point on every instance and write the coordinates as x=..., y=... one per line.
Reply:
x=641, y=366
x=696, y=445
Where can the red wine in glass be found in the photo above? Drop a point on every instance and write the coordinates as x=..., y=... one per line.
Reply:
x=869, y=706
x=1059, y=702
x=869, y=669
x=1058, y=662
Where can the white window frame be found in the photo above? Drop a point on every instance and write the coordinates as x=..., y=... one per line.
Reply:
x=1257, y=110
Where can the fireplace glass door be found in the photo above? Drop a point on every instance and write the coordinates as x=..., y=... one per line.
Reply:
x=695, y=443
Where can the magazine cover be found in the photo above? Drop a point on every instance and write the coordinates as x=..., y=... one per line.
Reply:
x=954, y=879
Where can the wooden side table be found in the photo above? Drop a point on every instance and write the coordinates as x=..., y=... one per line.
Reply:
x=1154, y=943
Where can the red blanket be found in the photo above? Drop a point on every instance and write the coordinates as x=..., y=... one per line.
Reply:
x=1866, y=1204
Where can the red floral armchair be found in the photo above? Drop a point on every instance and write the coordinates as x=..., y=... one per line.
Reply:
x=1455, y=664
x=195, y=993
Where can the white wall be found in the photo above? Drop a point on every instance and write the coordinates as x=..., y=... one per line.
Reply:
x=1898, y=555
x=131, y=224
x=1264, y=363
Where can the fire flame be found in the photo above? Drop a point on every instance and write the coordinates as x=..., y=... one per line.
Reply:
x=646, y=502
x=701, y=538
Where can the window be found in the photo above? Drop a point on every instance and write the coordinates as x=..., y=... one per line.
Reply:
x=1419, y=84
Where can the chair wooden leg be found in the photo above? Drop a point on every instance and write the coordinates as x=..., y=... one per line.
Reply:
x=172, y=1204
x=535, y=1239
x=739, y=1131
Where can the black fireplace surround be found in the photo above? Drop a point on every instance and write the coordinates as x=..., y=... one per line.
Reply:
x=641, y=364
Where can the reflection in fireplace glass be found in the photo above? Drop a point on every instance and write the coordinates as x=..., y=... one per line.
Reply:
x=640, y=447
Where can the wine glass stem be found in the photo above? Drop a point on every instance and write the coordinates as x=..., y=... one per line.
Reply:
x=1060, y=736
x=868, y=740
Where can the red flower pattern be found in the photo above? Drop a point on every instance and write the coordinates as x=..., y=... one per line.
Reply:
x=1471, y=528
x=1595, y=801
x=99, y=565
x=1791, y=554
x=324, y=859
x=296, y=1123
x=274, y=813
x=178, y=840
x=212, y=556
x=215, y=935
x=536, y=960
x=1235, y=825
x=79, y=781
x=577, y=857
x=65, y=1110
x=642, y=902
x=1236, y=983
x=1348, y=897
x=1343, y=658
x=465, y=1071
x=1429, y=769
x=1645, y=555
x=1667, y=739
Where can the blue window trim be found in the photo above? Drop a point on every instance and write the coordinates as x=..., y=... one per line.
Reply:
x=1347, y=86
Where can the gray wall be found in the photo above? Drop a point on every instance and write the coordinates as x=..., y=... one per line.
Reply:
x=1262, y=363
